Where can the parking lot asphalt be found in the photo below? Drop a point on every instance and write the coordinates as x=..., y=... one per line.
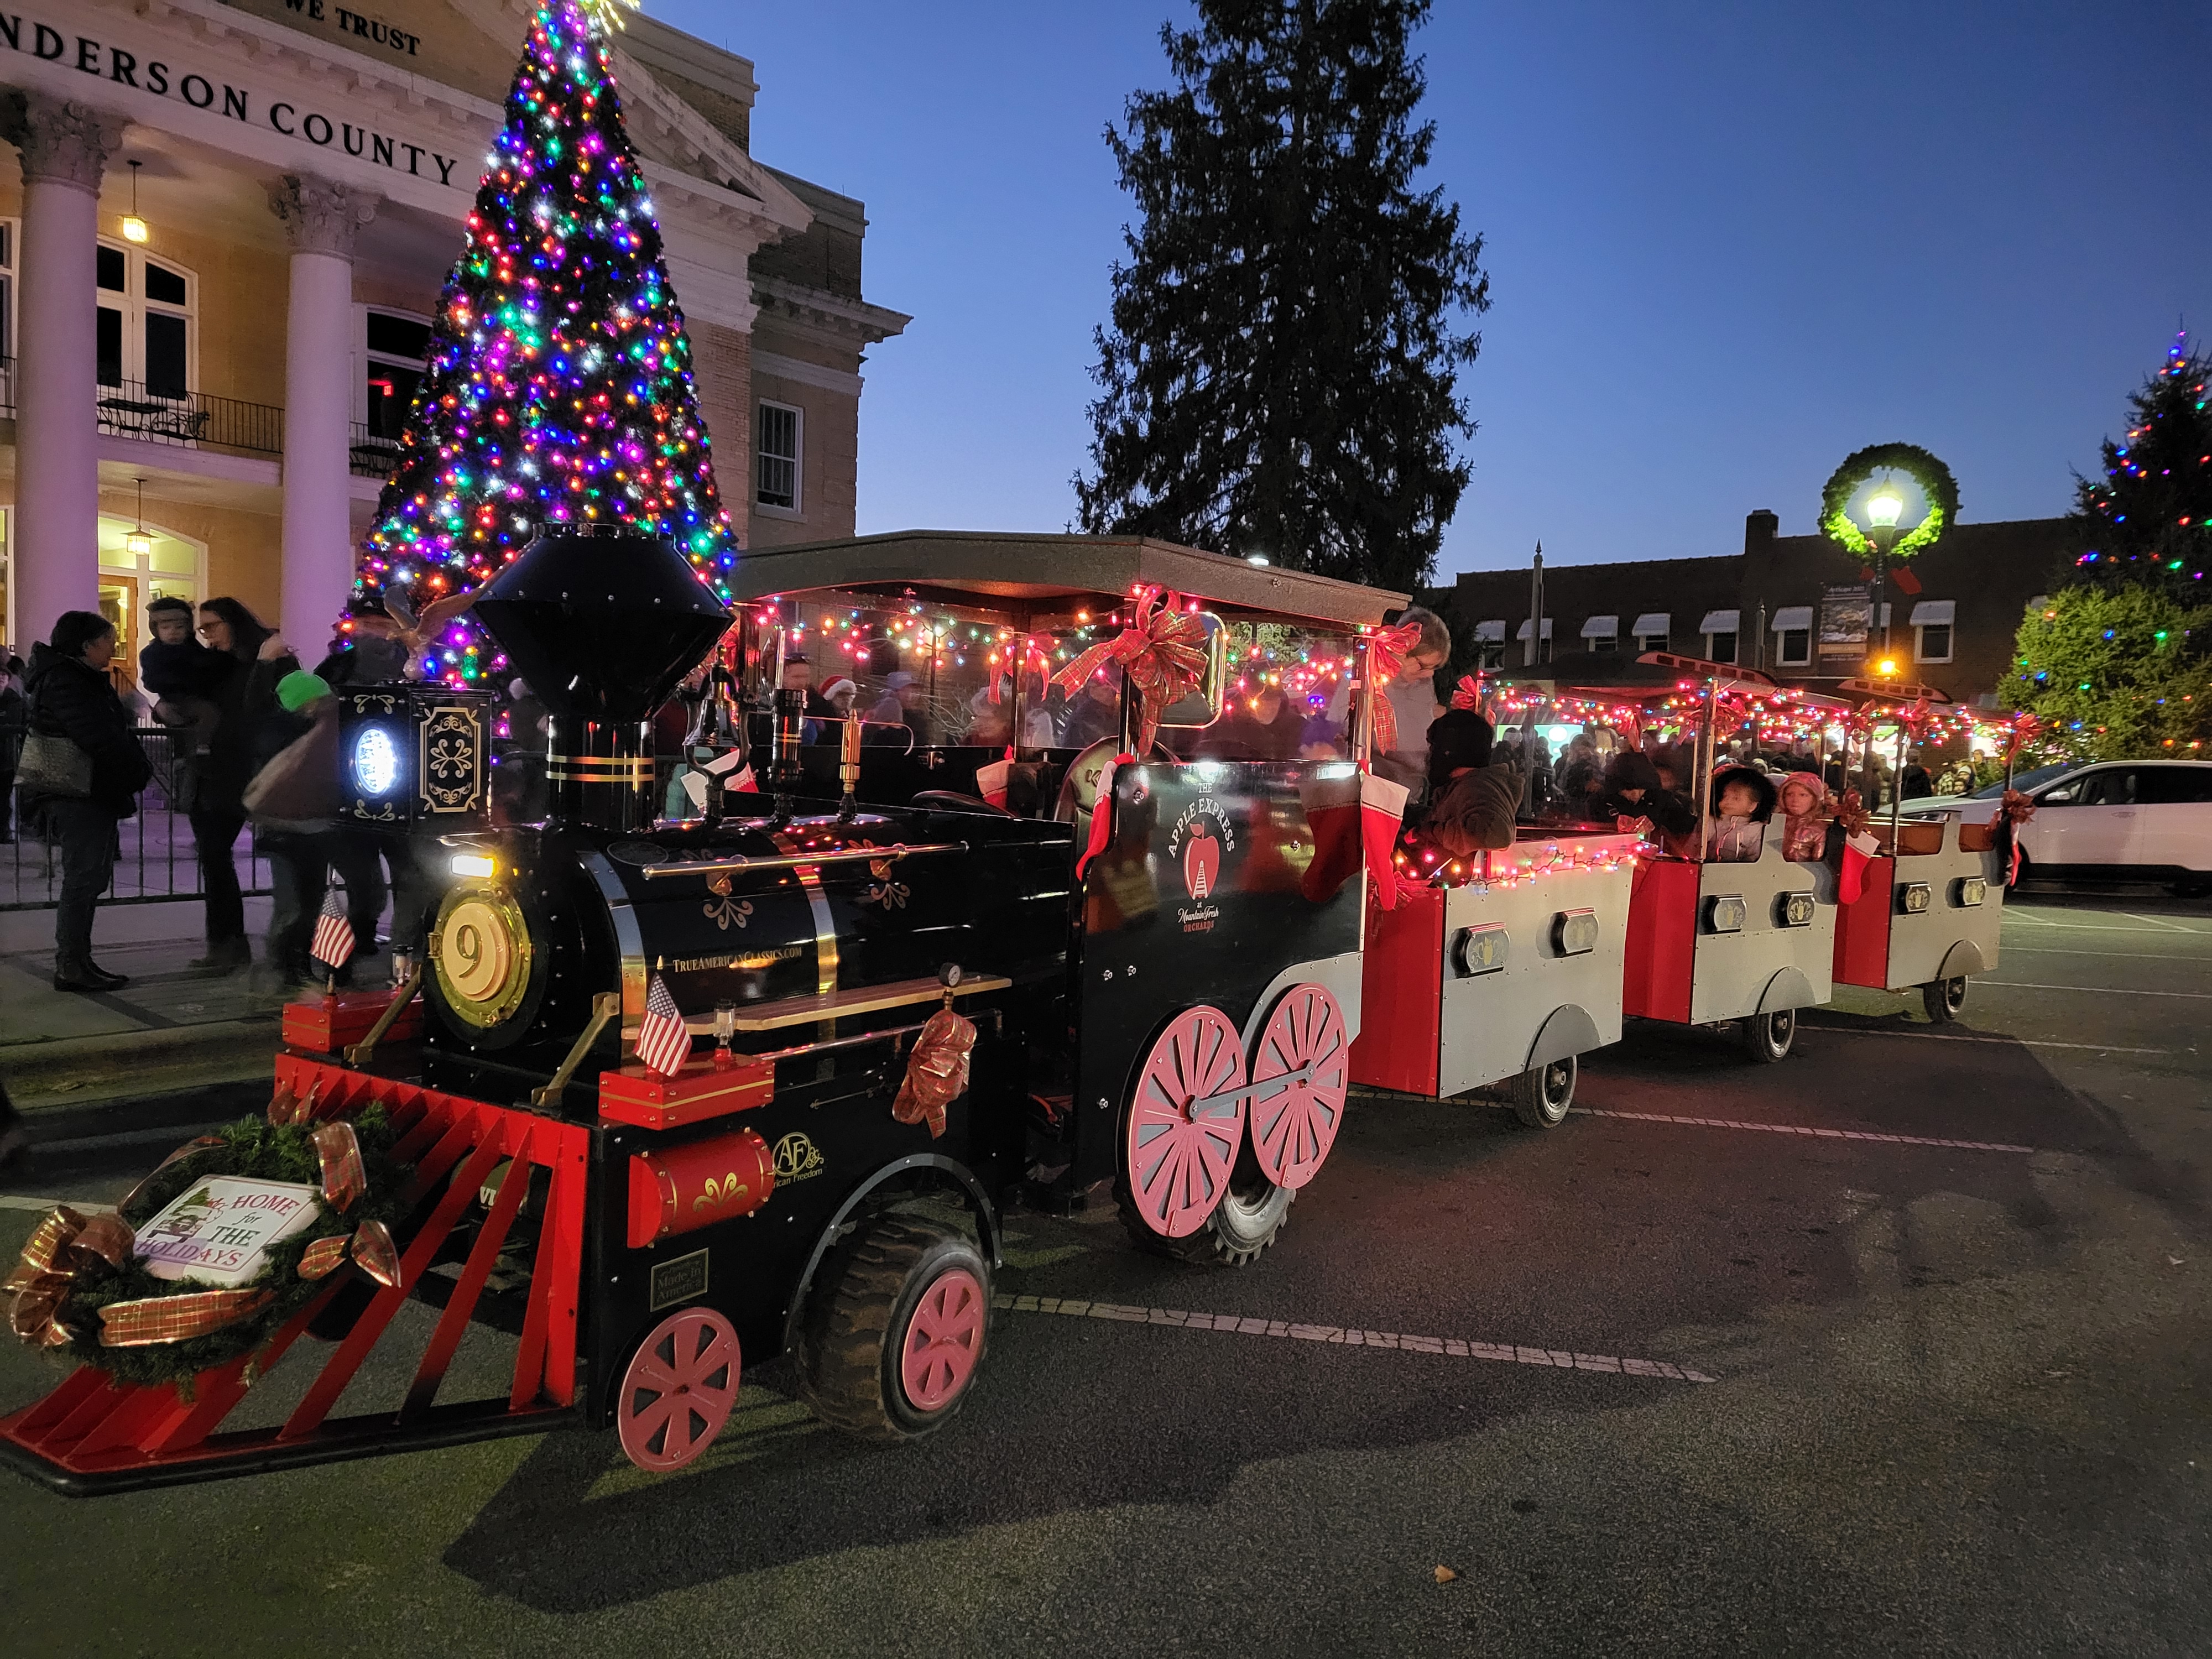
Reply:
x=1897, y=1347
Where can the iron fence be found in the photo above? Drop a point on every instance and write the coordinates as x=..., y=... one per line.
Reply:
x=160, y=860
x=372, y=454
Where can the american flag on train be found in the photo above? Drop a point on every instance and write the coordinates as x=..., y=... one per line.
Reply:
x=333, y=943
x=663, y=1041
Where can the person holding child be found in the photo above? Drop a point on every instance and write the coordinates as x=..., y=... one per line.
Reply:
x=181, y=674
x=1473, y=797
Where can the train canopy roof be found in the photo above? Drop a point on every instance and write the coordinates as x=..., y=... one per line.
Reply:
x=1654, y=675
x=1037, y=575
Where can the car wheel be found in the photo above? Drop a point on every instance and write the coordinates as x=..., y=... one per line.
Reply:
x=1542, y=1094
x=2191, y=886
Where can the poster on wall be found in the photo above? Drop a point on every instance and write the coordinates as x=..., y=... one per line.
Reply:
x=1847, y=622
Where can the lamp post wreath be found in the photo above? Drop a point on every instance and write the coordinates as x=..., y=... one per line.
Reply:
x=1935, y=481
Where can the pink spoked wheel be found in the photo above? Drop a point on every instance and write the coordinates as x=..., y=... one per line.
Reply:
x=1186, y=1121
x=943, y=1339
x=1301, y=1072
x=679, y=1389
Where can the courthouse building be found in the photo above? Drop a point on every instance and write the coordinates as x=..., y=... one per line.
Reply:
x=220, y=260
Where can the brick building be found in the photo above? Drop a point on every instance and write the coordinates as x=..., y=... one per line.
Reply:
x=1953, y=610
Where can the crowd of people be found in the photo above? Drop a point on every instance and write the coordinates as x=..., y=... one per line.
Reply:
x=254, y=737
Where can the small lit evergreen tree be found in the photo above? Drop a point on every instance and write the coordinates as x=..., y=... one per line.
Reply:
x=2144, y=523
x=560, y=388
x=1280, y=373
x=2121, y=673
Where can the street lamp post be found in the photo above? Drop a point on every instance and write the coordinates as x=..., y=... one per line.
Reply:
x=1882, y=510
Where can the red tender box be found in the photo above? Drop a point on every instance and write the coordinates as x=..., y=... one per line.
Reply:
x=713, y=1087
x=328, y=1023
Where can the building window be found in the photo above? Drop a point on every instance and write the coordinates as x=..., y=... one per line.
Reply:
x=145, y=332
x=1932, y=621
x=1793, y=646
x=1721, y=647
x=781, y=430
x=1654, y=631
x=399, y=352
x=1490, y=643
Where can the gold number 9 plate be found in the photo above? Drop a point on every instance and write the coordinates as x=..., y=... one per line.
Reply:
x=480, y=949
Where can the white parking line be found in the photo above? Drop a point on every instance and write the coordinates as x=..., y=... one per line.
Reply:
x=2138, y=955
x=2100, y=927
x=1509, y=1353
x=2095, y=990
x=2017, y=1043
x=1802, y=1129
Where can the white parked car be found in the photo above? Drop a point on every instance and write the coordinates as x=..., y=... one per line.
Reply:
x=2110, y=820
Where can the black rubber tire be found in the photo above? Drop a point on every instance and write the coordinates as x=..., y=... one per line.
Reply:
x=1767, y=1037
x=856, y=1322
x=1543, y=1094
x=1249, y=1217
x=1943, y=998
x=2191, y=887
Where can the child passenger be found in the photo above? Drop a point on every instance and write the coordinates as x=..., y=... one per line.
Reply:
x=181, y=673
x=1472, y=798
x=1806, y=817
x=1743, y=801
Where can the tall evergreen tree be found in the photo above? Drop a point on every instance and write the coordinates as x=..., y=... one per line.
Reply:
x=1280, y=374
x=560, y=386
x=2145, y=522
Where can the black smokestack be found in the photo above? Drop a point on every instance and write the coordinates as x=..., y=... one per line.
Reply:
x=603, y=624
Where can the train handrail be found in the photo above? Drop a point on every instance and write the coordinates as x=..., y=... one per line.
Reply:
x=739, y=863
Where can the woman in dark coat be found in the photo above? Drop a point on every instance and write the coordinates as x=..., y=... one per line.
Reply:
x=71, y=696
x=1632, y=789
x=246, y=693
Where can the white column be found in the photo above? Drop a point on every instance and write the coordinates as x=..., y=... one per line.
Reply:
x=66, y=147
x=318, y=552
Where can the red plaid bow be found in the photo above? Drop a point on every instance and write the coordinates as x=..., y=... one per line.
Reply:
x=2016, y=808
x=1468, y=693
x=1164, y=648
x=1387, y=651
x=2025, y=728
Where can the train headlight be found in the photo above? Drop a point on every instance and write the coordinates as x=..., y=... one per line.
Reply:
x=1972, y=889
x=1912, y=897
x=1724, y=913
x=1796, y=911
x=375, y=762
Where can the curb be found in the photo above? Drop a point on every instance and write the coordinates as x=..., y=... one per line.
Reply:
x=70, y=1071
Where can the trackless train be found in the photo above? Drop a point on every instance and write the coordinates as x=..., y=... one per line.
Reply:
x=944, y=955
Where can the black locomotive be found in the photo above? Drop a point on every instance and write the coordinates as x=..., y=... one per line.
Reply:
x=1161, y=1008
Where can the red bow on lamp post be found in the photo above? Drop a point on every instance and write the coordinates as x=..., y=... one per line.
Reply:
x=1163, y=649
x=1468, y=693
x=1387, y=651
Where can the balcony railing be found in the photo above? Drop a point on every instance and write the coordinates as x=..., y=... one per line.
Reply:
x=373, y=455
x=194, y=420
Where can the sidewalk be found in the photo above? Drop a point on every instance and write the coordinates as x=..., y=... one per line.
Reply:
x=172, y=1027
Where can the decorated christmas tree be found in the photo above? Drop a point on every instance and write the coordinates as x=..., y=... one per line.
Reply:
x=2144, y=522
x=559, y=389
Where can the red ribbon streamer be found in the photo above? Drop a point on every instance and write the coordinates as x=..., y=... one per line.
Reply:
x=1162, y=649
x=1387, y=651
x=936, y=1071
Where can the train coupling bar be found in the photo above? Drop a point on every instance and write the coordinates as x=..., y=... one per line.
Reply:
x=1224, y=1104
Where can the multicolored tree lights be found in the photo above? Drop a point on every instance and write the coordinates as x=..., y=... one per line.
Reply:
x=560, y=388
x=2145, y=522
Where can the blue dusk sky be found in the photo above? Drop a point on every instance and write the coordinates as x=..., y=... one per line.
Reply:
x=1728, y=244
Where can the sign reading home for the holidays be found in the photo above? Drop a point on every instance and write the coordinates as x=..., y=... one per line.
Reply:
x=216, y=1230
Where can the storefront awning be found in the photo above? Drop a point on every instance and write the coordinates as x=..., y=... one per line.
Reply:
x=1601, y=627
x=1652, y=622
x=1493, y=631
x=1721, y=621
x=1523, y=634
x=1791, y=617
x=1934, y=610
